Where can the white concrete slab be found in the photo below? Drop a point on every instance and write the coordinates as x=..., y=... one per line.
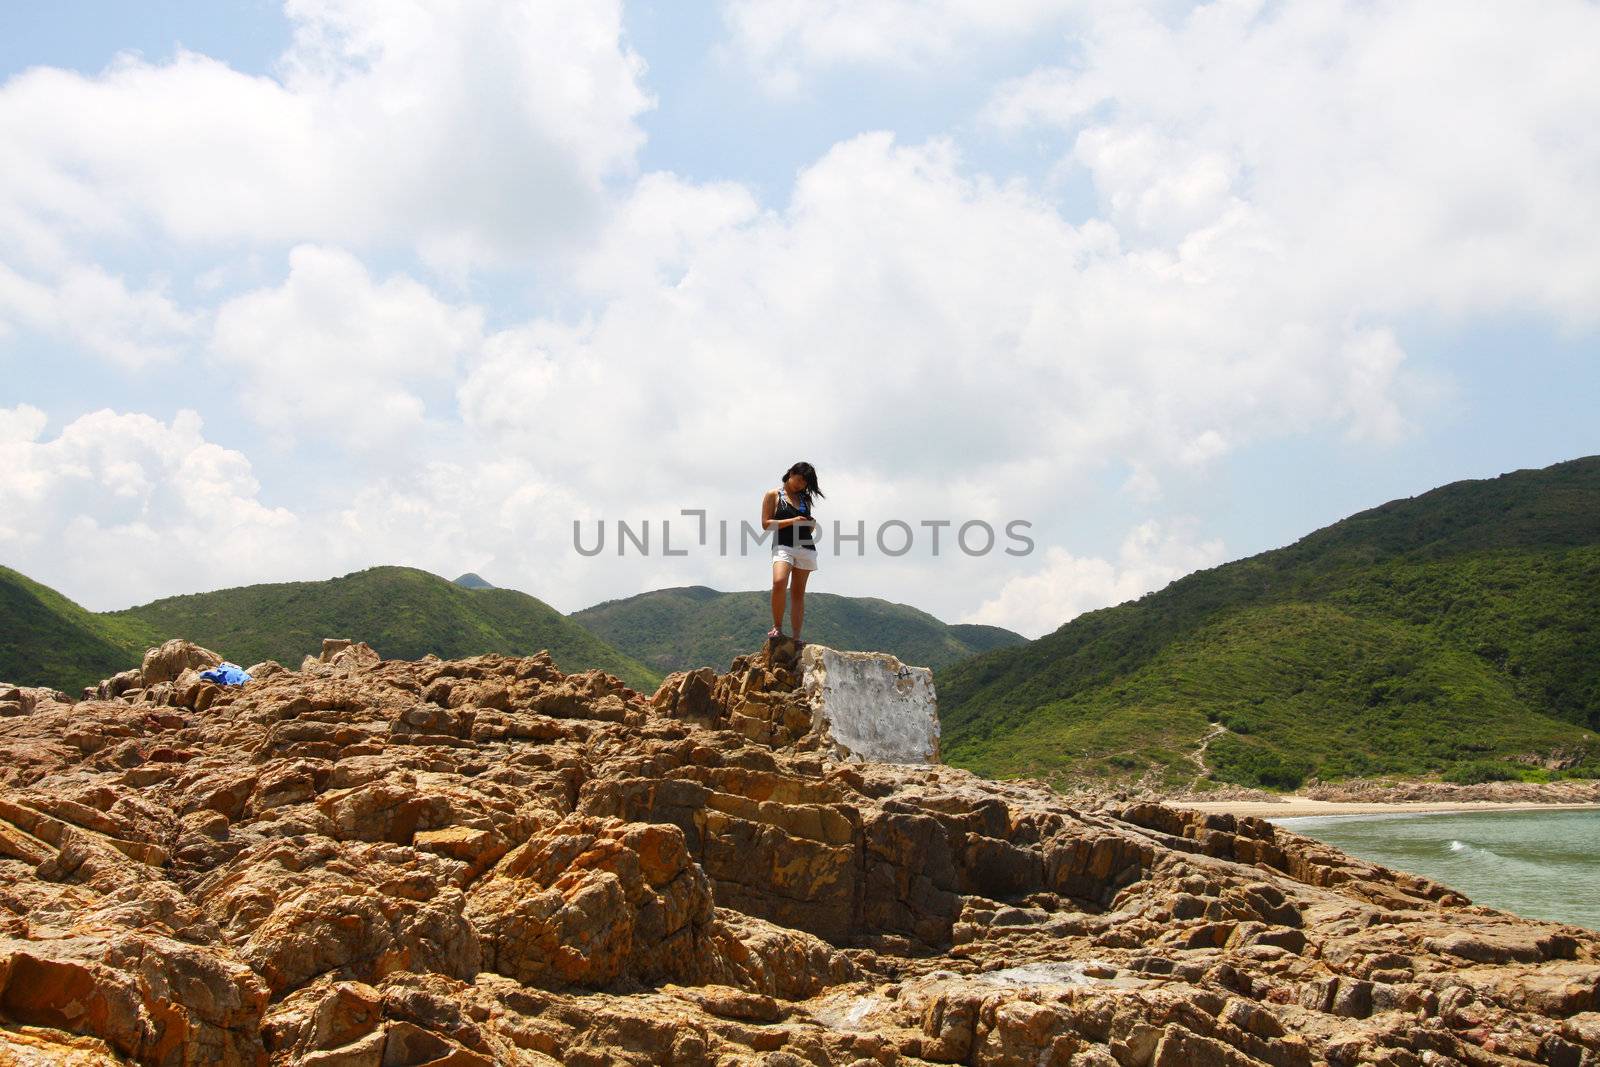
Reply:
x=869, y=706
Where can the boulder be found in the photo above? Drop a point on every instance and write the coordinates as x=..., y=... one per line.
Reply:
x=168, y=662
x=18, y=700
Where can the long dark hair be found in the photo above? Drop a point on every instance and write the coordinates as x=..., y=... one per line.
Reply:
x=809, y=473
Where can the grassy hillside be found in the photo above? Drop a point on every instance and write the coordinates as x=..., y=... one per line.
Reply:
x=696, y=626
x=405, y=613
x=1435, y=633
x=402, y=612
x=46, y=639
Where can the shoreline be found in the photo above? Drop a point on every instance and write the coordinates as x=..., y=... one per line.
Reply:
x=1305, y=808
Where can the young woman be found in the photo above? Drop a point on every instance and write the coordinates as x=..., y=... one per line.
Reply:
x=787, y=509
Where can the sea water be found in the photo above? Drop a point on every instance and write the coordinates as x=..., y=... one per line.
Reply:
x=1542, y=864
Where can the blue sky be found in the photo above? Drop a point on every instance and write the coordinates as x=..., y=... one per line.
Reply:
x=289, y=290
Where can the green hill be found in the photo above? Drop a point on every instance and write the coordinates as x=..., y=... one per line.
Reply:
x=696, y=626
x=1457, y=631
x=402, y=612
x=46, y=639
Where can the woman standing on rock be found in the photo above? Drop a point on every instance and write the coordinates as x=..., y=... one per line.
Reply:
x=787, y=509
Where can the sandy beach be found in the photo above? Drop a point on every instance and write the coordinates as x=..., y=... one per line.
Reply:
x=1298, y=807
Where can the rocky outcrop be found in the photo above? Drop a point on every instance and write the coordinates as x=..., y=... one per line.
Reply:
x=1564, y=791
x=486, y=861
x=21, y=700
x=176, y=661
x=171, y=660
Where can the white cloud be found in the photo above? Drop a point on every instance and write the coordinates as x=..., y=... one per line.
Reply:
x=785, y=41
x=923, y=326
x=1155, y=186
x=500, y=515
x=1283, y=189
x=470, y=133
x=333, y=353
x=652, y=232
x=1067, y=586
x=859, y=322
x=1142, y=485
x=94, y=310
x=21, y=424
x=119, y=503
x=121, y=508
x=940, y=345
x=1403, y=158
x=1373, y=359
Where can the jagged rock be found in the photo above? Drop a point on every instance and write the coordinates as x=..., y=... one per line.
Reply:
x=487, y=861
x=339, y=654
x=591, y=902
x=351, y=655
x=22, y=700
x=264, y=669
x=152, y=999
x=332, y=646
x=167, y=663
x=117, y=684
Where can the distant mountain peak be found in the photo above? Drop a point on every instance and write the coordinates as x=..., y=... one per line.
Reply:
x=470, y=580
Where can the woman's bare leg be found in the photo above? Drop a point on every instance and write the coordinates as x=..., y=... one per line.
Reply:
x=797, y=604
x=780, y=579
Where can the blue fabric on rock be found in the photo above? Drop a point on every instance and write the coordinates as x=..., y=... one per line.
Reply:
x=226, y=674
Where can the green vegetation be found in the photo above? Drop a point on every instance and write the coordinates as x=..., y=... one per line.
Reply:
x=1479, y=771
x=696, y=626
x=402, y=612
x=407, y=613
x=46, y=639
x=1446, y=633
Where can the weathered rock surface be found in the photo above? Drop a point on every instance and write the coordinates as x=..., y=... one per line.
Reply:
x=868, y=706
x=486, y=861
x=21, y=700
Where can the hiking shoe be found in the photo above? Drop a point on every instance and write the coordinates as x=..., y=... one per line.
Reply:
x=774, y=632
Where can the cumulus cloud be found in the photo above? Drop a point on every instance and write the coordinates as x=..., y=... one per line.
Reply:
x=118, y=508
x=331, y=352
x=121, y=504
x=942, y=346
x=469, y=133
x=1403, y=158
x=96, y=311
x=927, y=326
x=1150, y=557
x=504, y=516
x=785, y=42
x=940, y=342
x=652, y=232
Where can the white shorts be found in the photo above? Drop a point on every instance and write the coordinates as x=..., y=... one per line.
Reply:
x=802, y=559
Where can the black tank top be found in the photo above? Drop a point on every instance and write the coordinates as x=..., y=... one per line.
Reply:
x=786, y=534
